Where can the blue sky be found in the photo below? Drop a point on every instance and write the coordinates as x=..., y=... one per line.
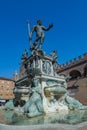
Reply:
x=68, y=36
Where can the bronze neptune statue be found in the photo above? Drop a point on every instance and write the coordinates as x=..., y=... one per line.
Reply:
x=39, y=30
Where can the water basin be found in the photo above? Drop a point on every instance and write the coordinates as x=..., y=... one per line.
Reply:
x=14, y=118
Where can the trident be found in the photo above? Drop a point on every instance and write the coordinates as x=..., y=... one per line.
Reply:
x=29, y=33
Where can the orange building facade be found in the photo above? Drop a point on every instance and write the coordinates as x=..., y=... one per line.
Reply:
x=6, y=89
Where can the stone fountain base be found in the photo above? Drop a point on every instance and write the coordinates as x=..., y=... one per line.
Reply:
x=81, y=126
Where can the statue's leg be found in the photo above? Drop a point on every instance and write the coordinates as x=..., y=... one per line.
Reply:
x=41, y=42
x=36, y=40
x=40, y=47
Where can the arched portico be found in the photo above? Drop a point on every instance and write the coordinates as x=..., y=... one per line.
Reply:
x=75, y=74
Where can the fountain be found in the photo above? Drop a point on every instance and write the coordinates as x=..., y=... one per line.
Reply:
x=41, y=95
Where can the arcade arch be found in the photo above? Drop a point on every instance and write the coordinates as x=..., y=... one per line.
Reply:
x=75, y=74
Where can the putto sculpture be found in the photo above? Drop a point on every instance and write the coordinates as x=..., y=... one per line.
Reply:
x=42, y=90
x=34, y=105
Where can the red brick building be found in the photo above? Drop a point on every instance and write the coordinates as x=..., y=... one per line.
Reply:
x=77, y=69
x=6, y=89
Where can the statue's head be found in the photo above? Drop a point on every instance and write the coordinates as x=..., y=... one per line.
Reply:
x=39, y=22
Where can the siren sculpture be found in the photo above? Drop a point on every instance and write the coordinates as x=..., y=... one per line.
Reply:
x=42, y=90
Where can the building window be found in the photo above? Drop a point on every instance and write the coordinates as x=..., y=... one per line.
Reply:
x=2, y=81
